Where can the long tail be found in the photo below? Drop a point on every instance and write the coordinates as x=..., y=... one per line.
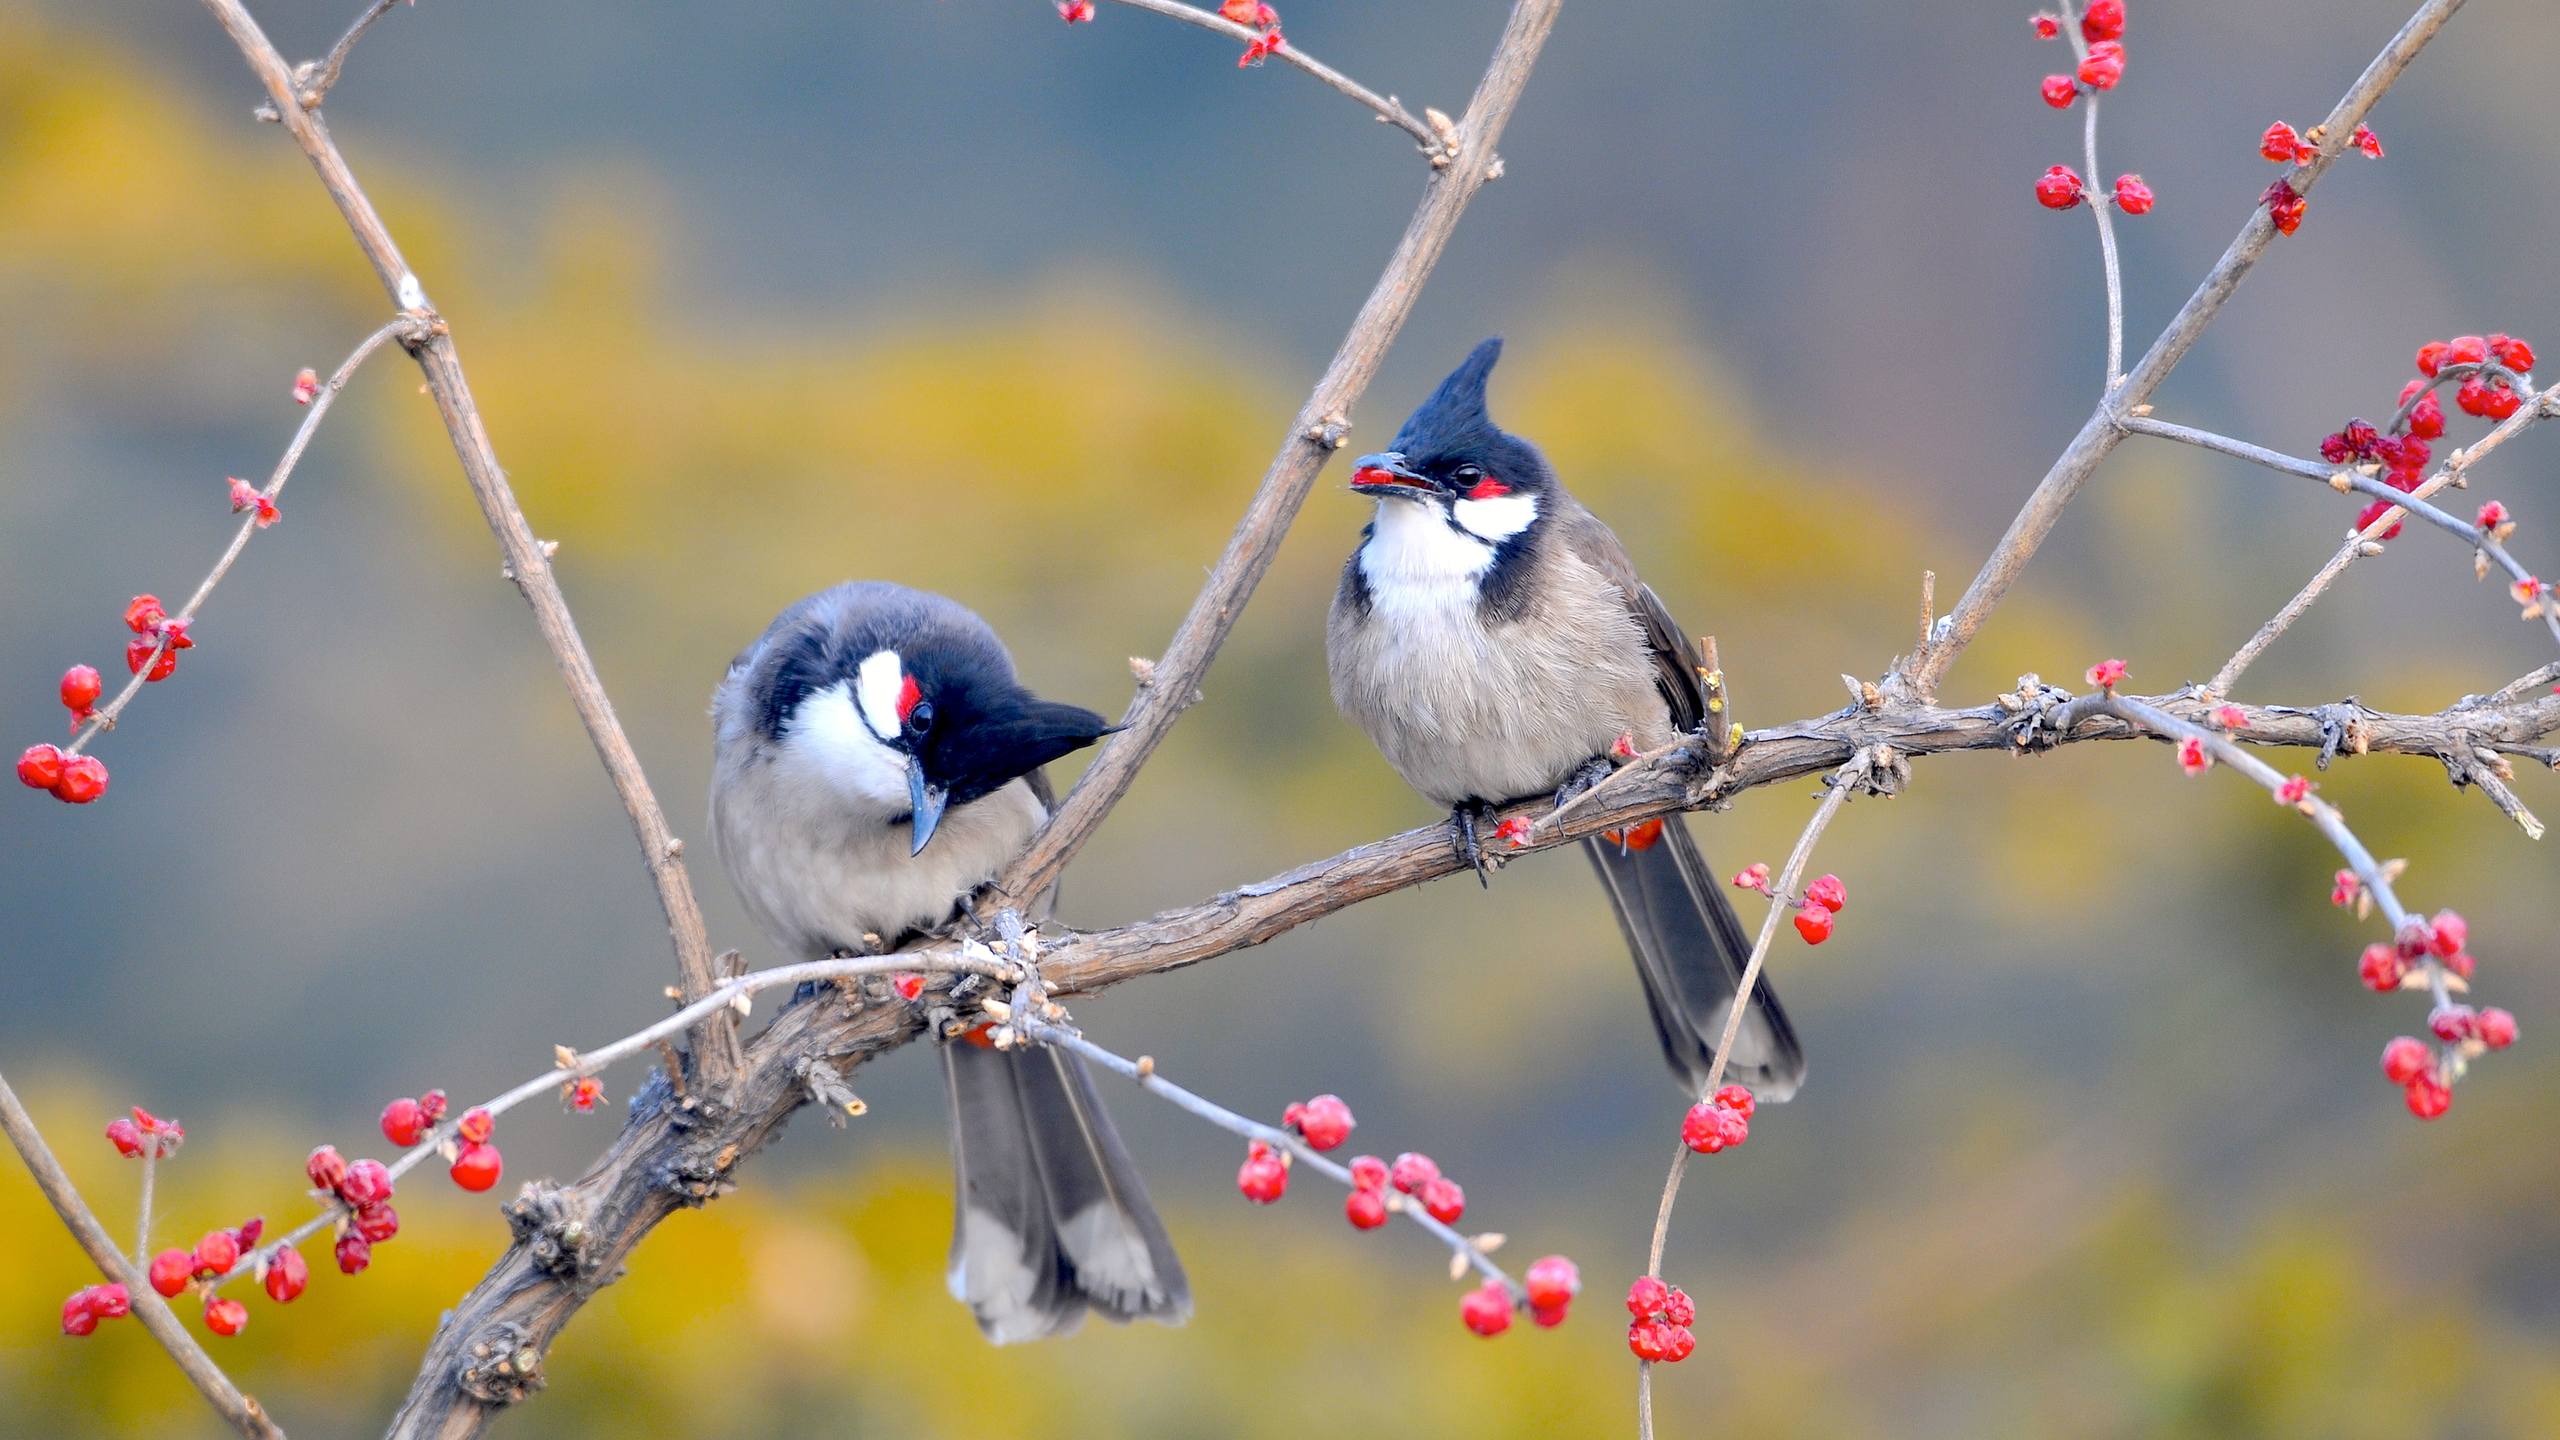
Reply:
x=1690, y=949
x=1050, y=1218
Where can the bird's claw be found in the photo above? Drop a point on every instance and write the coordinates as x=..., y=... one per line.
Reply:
x=1463, y=820
x=1590, y=773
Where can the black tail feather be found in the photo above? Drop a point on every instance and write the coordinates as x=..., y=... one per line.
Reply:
x=1690, y=950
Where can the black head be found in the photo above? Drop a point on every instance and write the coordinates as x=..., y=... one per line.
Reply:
x=1450, y=450
x=899, y=696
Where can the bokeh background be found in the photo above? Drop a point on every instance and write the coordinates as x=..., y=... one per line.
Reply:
x=765, y=295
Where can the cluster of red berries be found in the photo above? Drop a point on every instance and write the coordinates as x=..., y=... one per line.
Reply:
x=1549, y=1287
x=476, y=1164
x=1663, y=1315
x=2425, y=1076
x=1826, y=897
x=157, y=638
x=1720, y=1122
x=405, y=1122
x=1414, y=1174
x=2486, y=366
x=1254, y=15
x=364, y=1188
x=283, y=1273
x=2281, y=145
x=2102, y=29
x=2060, y=188
x=245, y=496
x=82, y=1312
x=1323, y=1122
x=145, y=1136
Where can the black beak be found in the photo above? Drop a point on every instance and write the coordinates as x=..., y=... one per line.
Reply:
x=1387, y=470
x=927, y=801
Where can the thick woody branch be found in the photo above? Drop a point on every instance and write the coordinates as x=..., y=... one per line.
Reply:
x=2100, y=434
x=1319, y=429
x=241, y=1411
x=528, y=561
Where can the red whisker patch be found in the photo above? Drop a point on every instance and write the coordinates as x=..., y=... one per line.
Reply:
x=908, y=695
x=1487, y=488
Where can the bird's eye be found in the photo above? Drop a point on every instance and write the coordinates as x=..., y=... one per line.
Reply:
x=920, y=717
x=1467, y=474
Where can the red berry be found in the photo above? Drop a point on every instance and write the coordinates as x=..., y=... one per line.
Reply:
x=2132, y=196
x=225, y=1316
x=1323, y=1122
x=1681, y=1344
x=40, y=767
x=2465, y=350
x=403, y=1122
x=2429, y=1097
x=2373, y=512
x=1548, y=1317
x=908, y=986
x=217, y=1252
x=2058, y=188
x=138, y=652
x=2447, y=932
x=2280, y=144
x=143, y=615
x=287, y=1275
x=1412, y=1171
x=1827, y=892
x=249, y=1233
x=2431, y=357
x=172, y=1269
x=432, y=1105
x=2492, y=515
x=2107, y=674
x=1754, y=878
x=2060, y=91
x=77, y=1316
x=353, y=1254
x=2103, y=20
x=2495, y=1028
x=2193, y=757
x=1646, y=1297
x=1739, y=1099
x=476, y=1125
x=110, y=1301
x=326, y=1168
x=2285, y=207
x=306, y=386
x=2426, y=418
x=1710, y=1129
x=2365, y=140
x=1514, y=831
x=1075, y=12
x=1366, y=1209
x=1678, y=1308
x=367, y=1182
x=81, y=688
x=377, y=1222
x=1443, y=1199
x=1649, y=1340
x=1264, y=1176
x=2511, y=352
x=1553, y=1281
x=1814, y=924
x=2104, y=66
x=125, y=1136
x=2413, y=938
x=477, y=1167
x=84, y=778
x=2500, y=400
x=2450, y=1023
x=1368, y=1172
x=585, y=1093
x=2405, y=1059
x=2381, y=968
x=2294, y=790
x=1487, y=1309
x=2047, y=27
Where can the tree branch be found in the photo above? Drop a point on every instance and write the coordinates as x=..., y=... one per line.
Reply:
x=2101, y=432
x=528, y=561
x=241, y=1411
x=1314, y=435
x=1383, y=106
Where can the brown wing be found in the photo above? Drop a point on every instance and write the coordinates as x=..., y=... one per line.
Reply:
x=1675, y=655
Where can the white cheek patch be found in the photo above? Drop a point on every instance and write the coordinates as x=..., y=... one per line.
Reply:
x=829, y=737
x=1411, y=545
x=1499, y=518
x=879, y=678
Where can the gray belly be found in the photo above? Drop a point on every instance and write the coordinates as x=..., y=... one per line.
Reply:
x=1464, y=710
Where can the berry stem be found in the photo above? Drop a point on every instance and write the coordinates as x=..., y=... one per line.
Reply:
x=1384, y=106
x=1031, y=1027
x=105, y=717
x=2362, y=484
x=2100, y=208
x=142, y=1221
x=1842, y=783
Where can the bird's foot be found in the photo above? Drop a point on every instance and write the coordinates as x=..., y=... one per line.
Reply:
x=1464, y=819
x=1589, y=774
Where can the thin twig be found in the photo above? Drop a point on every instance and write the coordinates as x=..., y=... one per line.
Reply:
x=317, y=88
x=1319, y=429
x=2100, y=206
x=142, y=1207
x=528, y=560
x=2101, y=432
x=241, y=1411
x=1383, y=106
x=2456, y=471
x=2332, y=476
x=105, y=718
x=1784, y=891
x=1147, y=1078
